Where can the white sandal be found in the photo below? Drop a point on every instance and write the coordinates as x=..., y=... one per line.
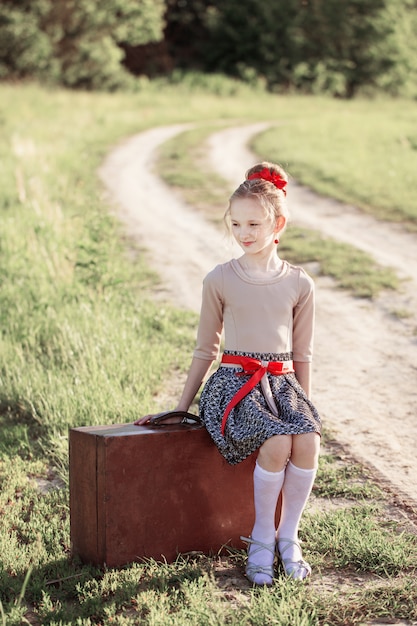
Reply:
x=298, y=570
x=252, y=569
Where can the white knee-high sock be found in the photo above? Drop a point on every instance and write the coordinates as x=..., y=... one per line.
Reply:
x=266, y=489
x=295, y=493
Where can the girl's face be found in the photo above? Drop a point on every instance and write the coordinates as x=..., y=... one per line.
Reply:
x=251, y=226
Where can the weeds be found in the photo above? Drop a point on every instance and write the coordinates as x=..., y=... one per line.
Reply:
x=15, y=612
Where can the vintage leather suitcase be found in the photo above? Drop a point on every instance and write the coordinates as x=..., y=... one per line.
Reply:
x=152, y=491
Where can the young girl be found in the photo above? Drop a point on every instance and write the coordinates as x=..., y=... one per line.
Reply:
x=258, y=399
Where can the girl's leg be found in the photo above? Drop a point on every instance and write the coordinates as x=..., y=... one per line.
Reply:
x=305, y=450
x=299, y=478
x=267, y=483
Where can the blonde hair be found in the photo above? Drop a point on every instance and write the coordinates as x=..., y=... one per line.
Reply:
x=270, y=197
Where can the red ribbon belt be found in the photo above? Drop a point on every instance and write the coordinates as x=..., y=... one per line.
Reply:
x=255, y=369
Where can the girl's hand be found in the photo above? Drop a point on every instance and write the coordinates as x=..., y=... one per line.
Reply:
x=143, y=420
x=147, y=419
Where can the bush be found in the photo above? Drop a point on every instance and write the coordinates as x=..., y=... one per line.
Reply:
x=74, y=42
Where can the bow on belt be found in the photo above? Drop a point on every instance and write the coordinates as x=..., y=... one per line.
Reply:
x=256, y=369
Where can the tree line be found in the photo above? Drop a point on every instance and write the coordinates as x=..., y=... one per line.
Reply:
x=337, y=47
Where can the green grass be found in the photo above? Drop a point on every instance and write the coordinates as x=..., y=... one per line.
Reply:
x=83, y=342
x=350, y=268
x=182, y=165
x=344, y=481
x=373, y=553
x=362, y=152
x=352, y=538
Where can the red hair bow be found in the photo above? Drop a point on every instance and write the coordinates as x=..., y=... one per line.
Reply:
x=275, y=179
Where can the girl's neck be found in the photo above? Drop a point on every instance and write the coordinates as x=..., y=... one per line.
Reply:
x=261, y=265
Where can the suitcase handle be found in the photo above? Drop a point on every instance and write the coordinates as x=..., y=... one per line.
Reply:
x=186, y=418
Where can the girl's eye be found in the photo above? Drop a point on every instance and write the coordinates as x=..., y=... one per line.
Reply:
x=254, y=224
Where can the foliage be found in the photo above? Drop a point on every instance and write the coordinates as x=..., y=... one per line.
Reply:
x=346, y=47
x=339, y=48
x=74, y=42
x=186, y=30
x=254, y=36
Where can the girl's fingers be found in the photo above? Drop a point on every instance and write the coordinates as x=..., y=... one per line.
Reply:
x=143, y=420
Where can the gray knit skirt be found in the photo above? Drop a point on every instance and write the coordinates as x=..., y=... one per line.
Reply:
x=251, y=422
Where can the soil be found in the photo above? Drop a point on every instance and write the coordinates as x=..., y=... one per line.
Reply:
x=365, y=365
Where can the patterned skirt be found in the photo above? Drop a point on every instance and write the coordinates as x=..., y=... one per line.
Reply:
x=251, y=422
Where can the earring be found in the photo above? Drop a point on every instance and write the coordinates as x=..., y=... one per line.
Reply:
x=276, y=240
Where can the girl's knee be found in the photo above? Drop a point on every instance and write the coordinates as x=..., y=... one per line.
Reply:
x=305, y=450
x=275, y=452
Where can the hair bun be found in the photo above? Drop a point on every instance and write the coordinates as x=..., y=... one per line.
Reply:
x=271, y=173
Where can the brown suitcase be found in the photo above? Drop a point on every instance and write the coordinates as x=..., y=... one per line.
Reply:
x=151, y=491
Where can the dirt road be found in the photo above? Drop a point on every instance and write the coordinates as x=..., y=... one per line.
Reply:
x=365, y=381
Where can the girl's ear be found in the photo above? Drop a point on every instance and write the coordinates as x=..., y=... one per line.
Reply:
x=280, y=224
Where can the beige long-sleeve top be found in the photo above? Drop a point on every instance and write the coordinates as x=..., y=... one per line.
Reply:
x=270, y=315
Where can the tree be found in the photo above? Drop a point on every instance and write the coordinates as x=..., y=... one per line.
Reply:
x=346, y=46
x=311, y=45
x=182, y=46
x=252, y=36
x=74, y=42
x=25, y=48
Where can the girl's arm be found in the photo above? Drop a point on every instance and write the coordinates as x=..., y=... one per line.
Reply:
x=196, y=374
x=303, y=375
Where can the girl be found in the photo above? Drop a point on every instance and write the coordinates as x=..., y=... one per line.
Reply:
x=259, y=397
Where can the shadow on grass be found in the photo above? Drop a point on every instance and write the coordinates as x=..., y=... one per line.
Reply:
x=20, y=432
x=65, y=591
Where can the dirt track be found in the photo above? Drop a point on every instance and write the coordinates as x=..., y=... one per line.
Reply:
x=365, y=381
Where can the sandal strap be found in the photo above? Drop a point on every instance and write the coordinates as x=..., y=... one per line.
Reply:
x=292, y=567
x=252, y=569
x=261, y=546
x=288, y=543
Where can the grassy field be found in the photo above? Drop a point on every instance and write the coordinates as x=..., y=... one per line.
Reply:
x=82, y=342
x=361, y=152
